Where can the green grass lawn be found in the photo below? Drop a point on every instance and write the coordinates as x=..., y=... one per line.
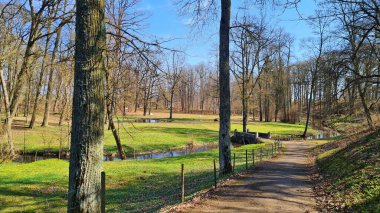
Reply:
x=353, y=172
x=147, y=137
x=131, y=185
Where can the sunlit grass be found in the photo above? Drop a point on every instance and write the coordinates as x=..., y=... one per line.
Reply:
x=184, y=129
x=42, y=185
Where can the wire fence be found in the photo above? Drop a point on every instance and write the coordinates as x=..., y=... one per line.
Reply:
x=161, y=189
x=188, y=182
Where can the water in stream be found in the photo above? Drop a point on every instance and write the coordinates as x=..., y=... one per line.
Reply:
x=142, y=120
x=32, y=158
x=323, y=135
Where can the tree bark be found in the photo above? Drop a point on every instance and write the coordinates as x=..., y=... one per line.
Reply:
x=8, y=123
x=224, y=91
x=87, y=134
x=310, y=99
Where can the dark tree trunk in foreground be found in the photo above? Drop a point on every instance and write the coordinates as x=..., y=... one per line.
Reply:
x=224, y=91
x=88, y=108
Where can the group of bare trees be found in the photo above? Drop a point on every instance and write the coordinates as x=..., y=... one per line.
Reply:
x=342, y=77
x=119, y=70
x=37, y=67
x=32, y=44
x=261, y=66
x=340, y=74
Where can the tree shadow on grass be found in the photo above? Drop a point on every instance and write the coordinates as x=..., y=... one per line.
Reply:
x=188, y=134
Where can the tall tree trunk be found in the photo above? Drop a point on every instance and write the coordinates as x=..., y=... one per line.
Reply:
x=224, y=89
x=27, y=101
x=87, y=133
x=171, y=104
x=58, y=96
x=45, y=121
x=245, y=114
x=137, y=99
x=65, y=97
x=367, y=112
x=309, y=102
x=260, y=105
x=39, y=82
x=8, y=123
x=19, y=87
x=115, y=134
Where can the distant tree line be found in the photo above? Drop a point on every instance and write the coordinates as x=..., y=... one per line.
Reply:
x=339, y=76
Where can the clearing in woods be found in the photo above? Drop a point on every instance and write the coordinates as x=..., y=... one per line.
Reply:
x=278, y=185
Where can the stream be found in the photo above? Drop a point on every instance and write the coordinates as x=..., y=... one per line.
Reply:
x=32, y=158
x=29, y=158
x=323, y=135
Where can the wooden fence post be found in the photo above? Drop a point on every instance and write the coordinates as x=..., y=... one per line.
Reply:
x=253, y=157
x=103, y=192
x=215, y=182
x=24, y=148
x=182, y=183
x=60, y=147
x=233, y=167
x=246, y=159
x=276, y=147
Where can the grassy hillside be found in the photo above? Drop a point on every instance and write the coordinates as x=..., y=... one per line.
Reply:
x=351, y=169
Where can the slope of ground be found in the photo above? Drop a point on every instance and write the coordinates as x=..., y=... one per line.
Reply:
x=350, y=173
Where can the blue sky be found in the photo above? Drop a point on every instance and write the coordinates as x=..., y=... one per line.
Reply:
x=164, y=22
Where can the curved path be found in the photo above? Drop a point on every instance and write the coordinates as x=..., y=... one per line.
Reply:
x=277, y=185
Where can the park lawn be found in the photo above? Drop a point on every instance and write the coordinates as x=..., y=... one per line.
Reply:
x=146, y=137
x=130, y=185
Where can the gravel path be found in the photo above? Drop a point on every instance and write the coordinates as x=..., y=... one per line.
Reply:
x=278, y=185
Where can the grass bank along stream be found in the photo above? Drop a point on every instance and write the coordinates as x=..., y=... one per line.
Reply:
x=42, y=185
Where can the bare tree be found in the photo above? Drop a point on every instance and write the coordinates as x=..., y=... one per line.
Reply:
x=37, y=21
x=321, y=27
x=173, y=75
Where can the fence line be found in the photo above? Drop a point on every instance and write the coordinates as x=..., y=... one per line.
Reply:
x=158, y=190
